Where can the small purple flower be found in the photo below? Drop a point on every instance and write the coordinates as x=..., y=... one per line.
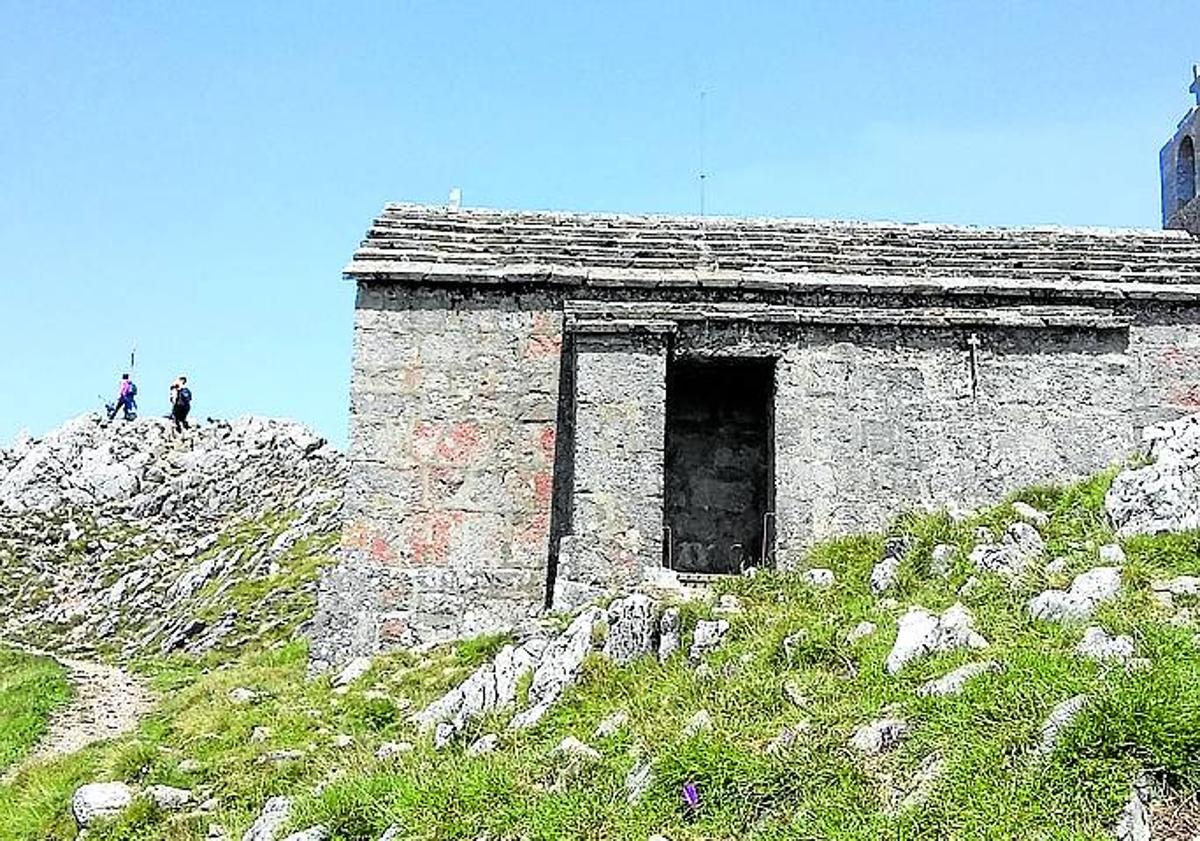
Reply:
x=691, y=797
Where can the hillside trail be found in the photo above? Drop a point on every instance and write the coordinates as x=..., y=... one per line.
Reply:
x=106, y=702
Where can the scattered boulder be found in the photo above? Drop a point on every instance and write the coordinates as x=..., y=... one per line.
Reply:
x=1030, y=514
x=1058, y=721
x=1163, y=496
x=270, y=820
x=99, y=800
x=242, y=696
x=390, y=750
x=699, y=723
x=921, y=633
x=728, y=604
x=490, y=687
x=353, y=670
x=484, y=745
x=313, y=833
x=879, y=736
x=1087, y=592
x=612, y=725
x=1019, y=547
x=860, y=631
x=954, y=682
x=168, y=798
x=883, y=575
x=941, y=558
x=572, y=748
x=669, y=633
x=558, y=667
x=1111, y=554
x=708, y=636
x=923, y=781
x=1134, y=822
x=820, y=578
x=638, y=781
x=1099, y=646
x=632, y=628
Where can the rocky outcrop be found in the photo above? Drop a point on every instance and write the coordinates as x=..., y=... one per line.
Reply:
x=1088, y=591
x=121, y=535
x=922, y=633
x=99, y=800
x=1163, y=496
x=1019, y=547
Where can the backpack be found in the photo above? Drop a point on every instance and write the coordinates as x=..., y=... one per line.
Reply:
x=132, y=389
x=183, y=397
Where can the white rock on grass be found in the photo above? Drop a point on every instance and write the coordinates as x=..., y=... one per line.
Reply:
x=884, y=573
x=168, y=798
x=922, y=633
x=390, y=750
x=941, y=559
x=1112, y=555
x=708, y=636
x=558, y=667
x=1088, y=591
x=392, y=833
x=99, y=800
x=632, y=628
x=484, y=745
x=637, y=781
x=355, y=669
x=699, y=723
x=313, y=833
x=860, y=631
x=1163, y=496
x=1030, y=514
x=572, y=748
x=954, y=682
x=270, y=820
x=879, y=736
x=1099, y=646
x=669, y=633
x=1019, y=547
x=923, y=781
x=242, y=696
x=1060, y=718
x=820, y=577
x=1133, y=824
x=612, y=725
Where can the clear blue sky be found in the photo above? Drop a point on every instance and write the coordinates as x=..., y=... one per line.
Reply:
x=192, y=176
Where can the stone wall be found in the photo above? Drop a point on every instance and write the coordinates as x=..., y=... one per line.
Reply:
x=619, y=417
x=454, y=401
x=872, y=421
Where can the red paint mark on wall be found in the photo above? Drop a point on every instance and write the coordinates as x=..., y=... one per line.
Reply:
x=1177, y=357
x=546, y=440
x=428, y=536
x=363, y=538
x=536, y=531
x=455, y=443
x=1186, y=396
x=543, y=488
x=540, y=347
x=394, y=632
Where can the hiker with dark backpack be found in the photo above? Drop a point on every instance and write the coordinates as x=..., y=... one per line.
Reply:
x=181, y=403
x=125, y=400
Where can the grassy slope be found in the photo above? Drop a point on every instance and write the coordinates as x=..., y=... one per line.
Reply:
x=31, y=688
x=993, y=787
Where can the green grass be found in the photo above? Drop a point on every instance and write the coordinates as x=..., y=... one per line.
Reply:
x=993, y=785
x=31, y=688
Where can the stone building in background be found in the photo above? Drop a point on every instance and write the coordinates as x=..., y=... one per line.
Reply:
x=547, y=407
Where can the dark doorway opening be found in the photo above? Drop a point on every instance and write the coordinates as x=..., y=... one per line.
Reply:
x=719, y=464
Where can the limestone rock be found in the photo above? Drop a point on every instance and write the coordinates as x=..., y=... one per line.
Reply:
x=99, y=800
x=699, y=723
x=1099, y=646
x=572, y=748
x=559, y=667
x=954, y=682
x=484, y=745
x=860, y=631
x=242, y=696
x=390, y=750
x=1087, y=592
x=313, y=833
x=708, y=636
x=879, y=736
x=1163, y=496
x=638, y=781
x=1111, y=554
x=883, y=575
x=1134, y=823
x=270, y=820
x=1058, y=721
x=1009, y=558
x=612, y=725
x=168, y=798
x=728, y=604
x=669, y=633
x=355, y=669
x=632, y=628
x=821, y=578
x=491, y=687
x=921, y=633
x=1031, y=515
x=941, y=558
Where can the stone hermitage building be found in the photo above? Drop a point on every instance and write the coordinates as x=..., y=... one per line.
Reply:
x=548, y=407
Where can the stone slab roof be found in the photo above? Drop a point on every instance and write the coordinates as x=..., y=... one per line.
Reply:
x=423, y=244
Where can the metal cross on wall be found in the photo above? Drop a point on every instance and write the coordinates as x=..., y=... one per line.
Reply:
x=1195, y=88
x=973, y=347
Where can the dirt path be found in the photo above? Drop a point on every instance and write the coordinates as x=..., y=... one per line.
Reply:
x=106, y=702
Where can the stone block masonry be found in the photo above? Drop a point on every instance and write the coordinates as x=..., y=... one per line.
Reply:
x=515, y=443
